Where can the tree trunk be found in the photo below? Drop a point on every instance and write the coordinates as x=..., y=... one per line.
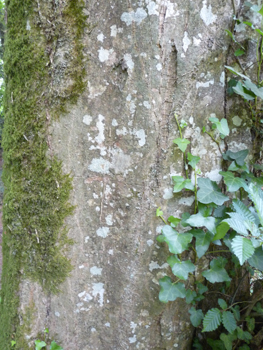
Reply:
x=95, y=85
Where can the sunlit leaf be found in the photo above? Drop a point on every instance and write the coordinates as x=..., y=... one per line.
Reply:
x=217, y=272
x=209, y=192
x=198, y=220
x=242, y=248
x=180, y=269
x=192, y=160
x=233, y=183
x=40, y=344
x=240, y=90
x=55, y=346
x=221, y=230
x=212, y=320
x=229, y=321
x=181, y=183
x=239, y=52
x=181, y=143
x=203, y=240
x=177, y=242
x=170, y=291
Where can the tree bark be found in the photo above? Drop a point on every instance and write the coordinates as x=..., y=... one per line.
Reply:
x=144, y=60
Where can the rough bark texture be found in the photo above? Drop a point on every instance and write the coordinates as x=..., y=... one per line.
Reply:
x=145, y=60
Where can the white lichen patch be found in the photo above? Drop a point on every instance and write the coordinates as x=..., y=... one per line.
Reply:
x=87, y=119
x=154, y=265
x=214, y=175
x=168, y=193
x=187, y=201
x=237, y=121
x=95, y=271
x=95, y=91
x=114, y=30
x=222, y=79
x=100, y=165
x=140, y=134
x=206, y=14
x=114, y=122
x=204, y=85
x=138, y=16
x=147, y=104
x=106, y=55
x=196, y=41
x=98, y=290
x=133, y=339
x=103, y=232
x=100, y=125
x=28, y=27
x=128, y=60
x=107, y=324
x=152, y=8
x=100, y=37
x=109, y=220
x=120, y=161
x=186, y=41
x=150, y=242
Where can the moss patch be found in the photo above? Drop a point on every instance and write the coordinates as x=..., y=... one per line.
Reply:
x=36, y=200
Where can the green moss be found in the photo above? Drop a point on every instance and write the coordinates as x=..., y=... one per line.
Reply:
x=36, y=199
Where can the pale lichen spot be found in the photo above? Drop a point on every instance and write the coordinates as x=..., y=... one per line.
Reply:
x=206, y=14
x=159, y=67
x=150, y=242
x=154, y=265
x=138, y=16
x=187, y=201
x=186, y=41
x=109, y=220
x=152, y=8
x=57, y=314
x=196, y=41
x=168, y=193
x=100, y=125
x=237, y=121
x=204, y=85
x=87, y=119
x=133, y=339
x=103, y=232
x=95, y=271
x=222, y=79
x=107, y=324
x=93, y=330
x=28, y=27
x=100, y=37
x=100, y=165
x=140, y=134
x=114, y=122
x=104, y=54
x=98, y=290
x=147, y=104
x=128, y=60
x=214, y=175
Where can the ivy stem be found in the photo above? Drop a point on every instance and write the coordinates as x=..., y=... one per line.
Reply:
x=176, y=281
x=196, y=202
x=163, y=220
x=217, y=142
x=177, y=122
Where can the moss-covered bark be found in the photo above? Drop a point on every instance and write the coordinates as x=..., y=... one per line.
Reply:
x=36, y=200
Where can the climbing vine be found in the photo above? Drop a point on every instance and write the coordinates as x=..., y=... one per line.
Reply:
x=226, y=228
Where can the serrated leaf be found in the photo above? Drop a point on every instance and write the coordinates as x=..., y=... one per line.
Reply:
x=196, y=316
x=217, y=273
x=180, y=269
x=192, y=160
x=236, y=312
x=40, y=344
x=229, y=321
x=209, y=192
x=228, y=340
x=242, y=209
x=170, y=291
x=256, y=195
x=239, y=52
x=257, y=259
x=250, y=324
x=177, y=242
x=181, y=143
x=181, y=183
x=190, y=296
x=233, y=183
x=212, y=320
x=222, y=303
x=221, y=230
x=55, y=346
x=238, y=157
x=198, y=220
x=203, y=240
x=222, y=125
x=242, y=248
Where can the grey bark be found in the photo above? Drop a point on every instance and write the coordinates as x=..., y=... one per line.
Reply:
x=146, y=60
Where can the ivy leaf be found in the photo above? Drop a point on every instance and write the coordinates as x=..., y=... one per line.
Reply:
x=190, y=296
x=209, y=192
x=198, y=220
x=238, y=157
x=55, y=346
x=232, y=70
x=203, y=240
x=233, y=183
x=242, y=248
x=174, y=221
x=181, y=183
x=180, y=269
x=234, y=167
x=185, y=216
x=160, y=238
x=170, y=291
x=40, y=344
x=229, y=321
x=239, y=52
x=181, y=143
x=221, y=126
x=257, y=259
x=159, y=212
x=212, y=320
x=201, y=288
x=196, y=316
x=192, y=160
x=251, y=86
x=221, y=230
x=217, y=273
x=222, y=303
x=177, y=242
x=246, y=94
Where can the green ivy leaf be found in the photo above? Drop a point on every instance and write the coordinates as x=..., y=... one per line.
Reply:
x=177, y=242
x=201, y=288
x=238, y=157
x=190, y=296
x=181, y=143
x=160, y=238
x=209, y=192
x=242, y=91
x=233, y=183
x=251, y=86
x=239, y=52
x=180, y=269
x=221, y=230
x=232, y=70
x=257, y=259
x=212, y=320
x=244, y=347
x=181, y=183
x=222, y=303
x=229, y=321
x=185, y=217
x=40, y=344
x=159, y=212
x=242, y=248
x=196, y=316
x=198, y=220
x=55, y=346
x=174, y=221
x=203, y=240
x=192, y=160
x=217, y=273
x=235, y=167
x=170, y=291
x=222, y=126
